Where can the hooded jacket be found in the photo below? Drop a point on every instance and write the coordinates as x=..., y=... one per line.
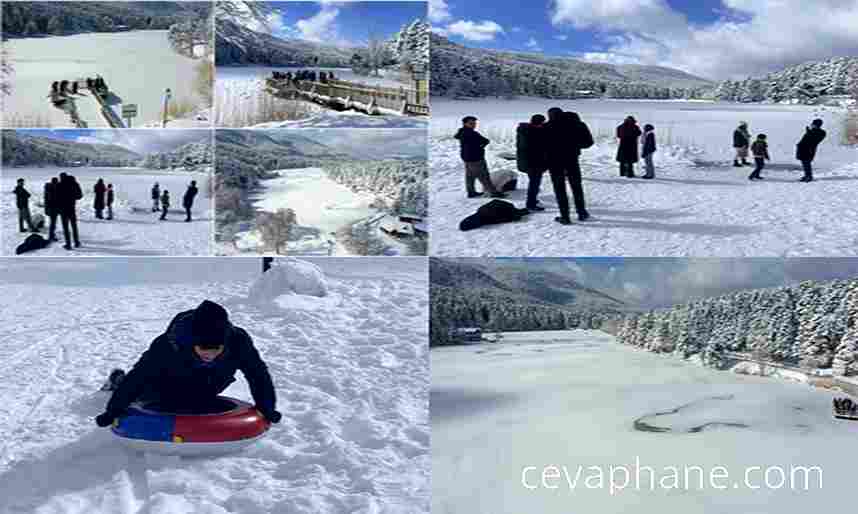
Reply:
x=171, y=373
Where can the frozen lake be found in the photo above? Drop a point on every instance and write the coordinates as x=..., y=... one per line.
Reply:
x=138, y=66
x=572, y=398
x=699, y=205
x=137, y=233
x=318, y=202
x=240, y=101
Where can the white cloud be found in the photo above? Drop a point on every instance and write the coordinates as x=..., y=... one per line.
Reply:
x=608, y=57
x=561, y=37
x=144, y=141
x=321, y=26
x=486, y=30
x=533, y=44
x=439, y=11
x=516, y=29
x=752, y=37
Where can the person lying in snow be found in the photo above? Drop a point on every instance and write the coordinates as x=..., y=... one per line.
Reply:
x=187, y=366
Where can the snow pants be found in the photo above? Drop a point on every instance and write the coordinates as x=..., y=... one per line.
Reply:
x=70, y=218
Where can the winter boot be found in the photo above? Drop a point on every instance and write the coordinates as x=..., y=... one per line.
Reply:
x=746, y=163
x=475, y=195
x=736, y=163
x=562, y=220
x=584, y=216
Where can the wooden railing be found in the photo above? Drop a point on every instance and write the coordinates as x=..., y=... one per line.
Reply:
x=349, y=95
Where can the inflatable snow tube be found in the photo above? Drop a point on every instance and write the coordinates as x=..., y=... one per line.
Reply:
x=226, y=425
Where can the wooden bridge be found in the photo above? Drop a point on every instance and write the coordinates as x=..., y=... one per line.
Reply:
x=341, y=95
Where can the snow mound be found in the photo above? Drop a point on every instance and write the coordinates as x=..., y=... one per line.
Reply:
x=289, y=275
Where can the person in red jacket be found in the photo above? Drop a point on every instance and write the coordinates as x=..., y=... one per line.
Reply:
x=627, y=153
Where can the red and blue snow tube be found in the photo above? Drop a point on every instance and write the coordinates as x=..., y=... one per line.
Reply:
x=224, y=426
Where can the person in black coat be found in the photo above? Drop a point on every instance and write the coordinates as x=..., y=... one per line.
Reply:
x=806, y=149
x=110, y=198
x=627, y=153
x=472, y=149
x=188, y=199
x=191, y=363
x=567, y=136
x=531, y=145
x=22, y=201
x=98, y=203
x=648, y=150
x=51, y=207
x=68, y=193
x=156, y=197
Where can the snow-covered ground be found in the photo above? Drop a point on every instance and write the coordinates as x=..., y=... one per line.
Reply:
x=138, y=66
x=699, y=205
x=240, y=97
x=137, y=232
x=318, y=202
x=352, y=386
x=572, y=399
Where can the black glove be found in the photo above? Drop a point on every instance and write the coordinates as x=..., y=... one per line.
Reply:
x=272, y=416
x=105, y=419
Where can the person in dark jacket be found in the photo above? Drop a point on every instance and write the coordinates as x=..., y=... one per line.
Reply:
x=742, y=144
x=110, y=198
x=68, y=193
x=531, y=145
x=567, y=136
x=98, y=203
x=192, y=362
x=627, y=152
x=165, y=204
x=494, y=212
x=188, y=199
x=472, y=149
x=51, y=207
x=156, y=198
x=760, y=149
x=22, y=201
x=648, y=150
x=806, y=149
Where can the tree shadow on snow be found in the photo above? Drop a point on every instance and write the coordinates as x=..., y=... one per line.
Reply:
x=448, y=404
x=639, y=213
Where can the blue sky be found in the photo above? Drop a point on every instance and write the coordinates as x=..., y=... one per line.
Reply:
x=712, y=38
x=344, y=23
x=661, y=282
x=140, y=141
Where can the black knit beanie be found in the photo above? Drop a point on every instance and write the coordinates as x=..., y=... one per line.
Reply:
x=210, y=325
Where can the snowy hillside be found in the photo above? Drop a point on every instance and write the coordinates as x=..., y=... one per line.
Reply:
x=574, y=406
x=803, y=83
x=813, y=324
x=241, y=40
x=506, y=296
x=21, y=149
x=401, y=185
x=352, y=387
x=471, y=72
x=410, y=46
x=698, y=205
x=62, y=18
x=199, y=154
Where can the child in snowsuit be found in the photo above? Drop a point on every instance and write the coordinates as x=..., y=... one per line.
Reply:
x=165, y=204
x=648, y=150
x=760, y=149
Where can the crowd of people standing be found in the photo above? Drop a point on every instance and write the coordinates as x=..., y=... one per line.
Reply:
x=555, y=145
x=60, y=198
